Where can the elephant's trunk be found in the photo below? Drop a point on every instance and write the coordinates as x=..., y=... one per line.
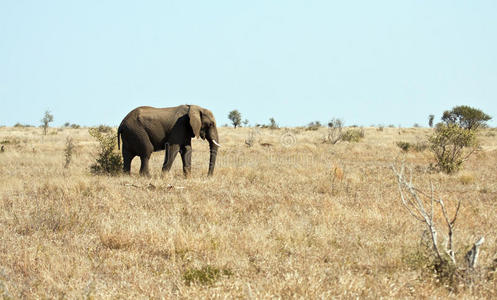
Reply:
x=213, y=146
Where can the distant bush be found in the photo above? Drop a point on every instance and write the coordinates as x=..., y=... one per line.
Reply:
x=108, y=160
x=417, y=147
x=19, y=125
x=69, y=125
x=353, y=135
x=104, y=129
x=272, y=124
x=313, y=126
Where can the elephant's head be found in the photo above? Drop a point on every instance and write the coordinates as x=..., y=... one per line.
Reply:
x=204, y=126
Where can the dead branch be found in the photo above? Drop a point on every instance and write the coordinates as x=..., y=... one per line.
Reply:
x=411, y=200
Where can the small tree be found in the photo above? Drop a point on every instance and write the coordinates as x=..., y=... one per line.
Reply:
x=235, y=117
x=466, y=117
x=430, y=120
x=108, y=160
x=245, y=122
x=272, y=124
x=48, y=118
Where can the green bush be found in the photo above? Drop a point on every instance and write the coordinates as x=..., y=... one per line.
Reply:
x=352, y=135
x=452, y=145
x=206, y=275
x=417, y=147
x=404, y=146
x=108, y=160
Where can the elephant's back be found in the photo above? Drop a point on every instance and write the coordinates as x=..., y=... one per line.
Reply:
x=134, y=115
x=152, y=118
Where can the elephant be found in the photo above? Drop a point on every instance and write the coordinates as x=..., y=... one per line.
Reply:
x=148, y=129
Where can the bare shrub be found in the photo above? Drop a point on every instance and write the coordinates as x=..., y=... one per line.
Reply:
x=68, y=151
x=252, y=137
x=425, y=207
x=334, y=135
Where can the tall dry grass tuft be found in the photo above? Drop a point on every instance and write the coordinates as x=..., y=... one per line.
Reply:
x=295, y=220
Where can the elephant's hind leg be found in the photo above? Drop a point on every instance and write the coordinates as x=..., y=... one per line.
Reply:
x=144, y=169
x=127, y=158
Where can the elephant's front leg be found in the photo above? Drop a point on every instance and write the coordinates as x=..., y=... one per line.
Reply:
x=186, y=157
x=171, y=151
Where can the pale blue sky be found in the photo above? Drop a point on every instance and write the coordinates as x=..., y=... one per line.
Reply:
x=366, y=62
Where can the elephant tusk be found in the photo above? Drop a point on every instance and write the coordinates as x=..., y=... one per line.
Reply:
x=216, y=143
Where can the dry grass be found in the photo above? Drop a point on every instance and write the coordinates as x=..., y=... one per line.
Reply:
x=311, y=220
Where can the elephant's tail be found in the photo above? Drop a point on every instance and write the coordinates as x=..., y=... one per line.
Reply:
x=119, y=138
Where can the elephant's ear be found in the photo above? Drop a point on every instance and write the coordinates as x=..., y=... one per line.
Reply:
x=195, y=120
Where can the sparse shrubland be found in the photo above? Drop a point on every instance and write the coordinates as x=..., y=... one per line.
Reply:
x=309, y=220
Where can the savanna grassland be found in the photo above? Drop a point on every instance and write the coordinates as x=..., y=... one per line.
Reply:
x=298, y=219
